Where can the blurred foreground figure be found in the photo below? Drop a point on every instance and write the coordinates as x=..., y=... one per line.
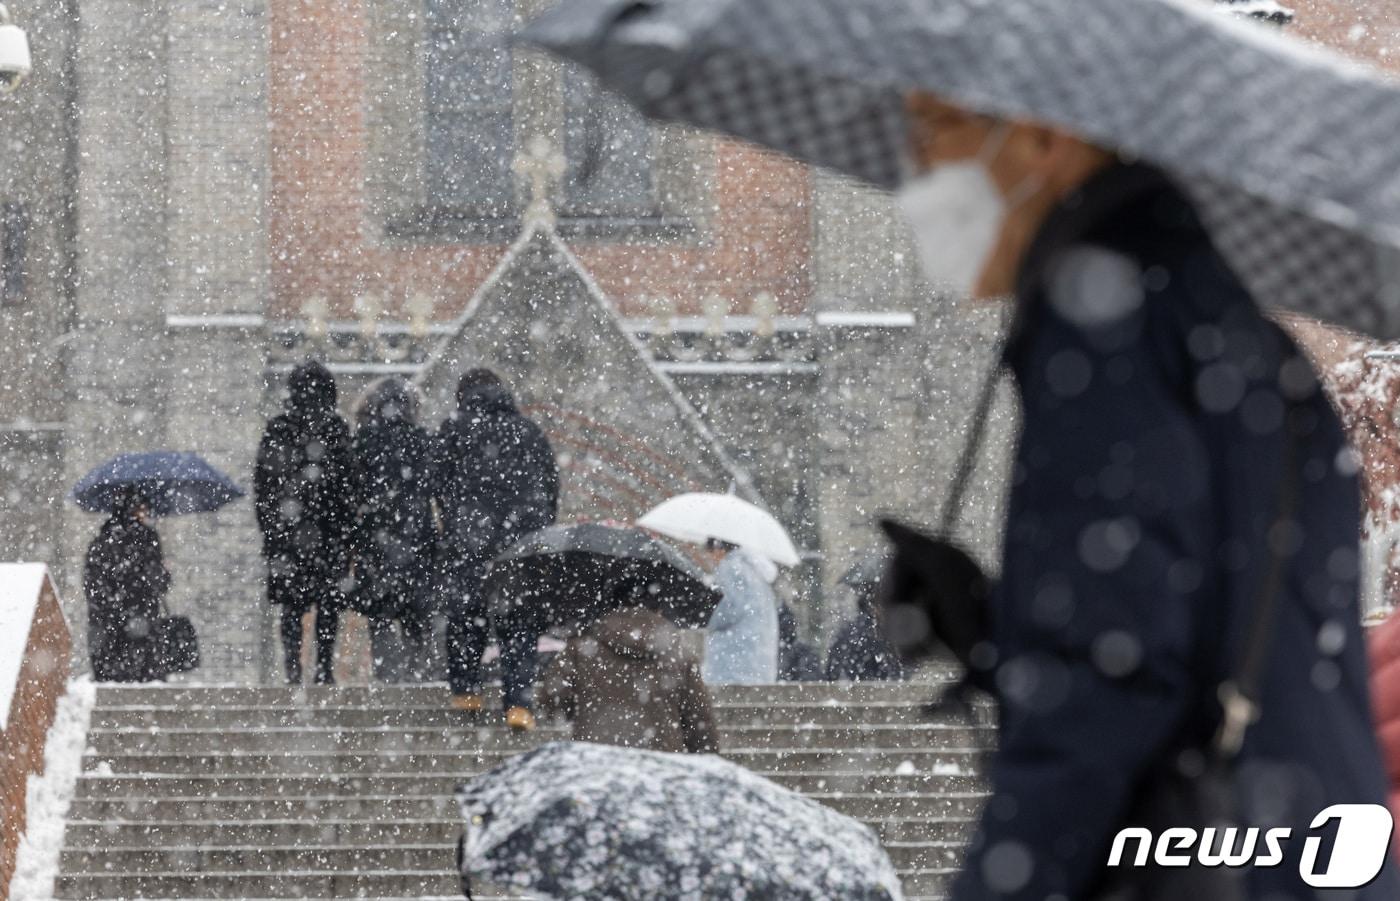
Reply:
x=305, y=498
x=741, y=645
x=631, y=679
x=1167, y=422
x=124, y=579
x=496, y=479
x=395, y=536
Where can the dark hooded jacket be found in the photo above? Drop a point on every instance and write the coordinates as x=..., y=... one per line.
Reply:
x=798, y=661
x=1147, y=479
x=395, y=535
x=124, y=579
x=305, y=493
x=631, y=679
x=859, y=653
x=494, y=475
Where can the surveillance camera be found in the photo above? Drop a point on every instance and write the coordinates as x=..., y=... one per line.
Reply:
x=14, y=53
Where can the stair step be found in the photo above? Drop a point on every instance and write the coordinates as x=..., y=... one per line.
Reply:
x=113, y=831
x=389, y=807
x=193, y=697
x=346, y=858
x=439, y=716
x=867, y=759
x=400, y=740
x=325, y=884
x=414, y=784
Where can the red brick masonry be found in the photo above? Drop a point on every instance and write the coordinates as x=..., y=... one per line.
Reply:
x=42, y=678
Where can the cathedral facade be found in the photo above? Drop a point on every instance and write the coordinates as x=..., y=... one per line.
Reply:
x=197, y=195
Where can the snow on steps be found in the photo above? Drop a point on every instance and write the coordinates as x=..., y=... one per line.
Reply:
x=197, y=792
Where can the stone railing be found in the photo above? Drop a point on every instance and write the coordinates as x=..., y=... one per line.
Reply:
x=35, y=648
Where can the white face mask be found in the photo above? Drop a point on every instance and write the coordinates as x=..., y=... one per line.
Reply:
x=957, y=213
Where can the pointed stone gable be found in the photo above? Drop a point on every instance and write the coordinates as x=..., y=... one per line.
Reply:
x=626, y=439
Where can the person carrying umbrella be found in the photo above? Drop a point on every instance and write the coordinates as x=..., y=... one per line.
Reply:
x=1175, y=638
x=124, y=574
x=627, y=675
x=305, y=496
x=495, y=478
x=631, y=678
x=125, y=579
x=745, y=543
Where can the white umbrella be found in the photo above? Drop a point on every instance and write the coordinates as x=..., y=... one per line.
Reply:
x=700, y=516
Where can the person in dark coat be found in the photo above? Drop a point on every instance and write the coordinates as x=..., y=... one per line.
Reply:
x=495, y=479
x=395, y=536
x=1165, y=418
x=798, y=661
x=632, y=679
x=306, y=499
x=125, y=579
x=859, y=652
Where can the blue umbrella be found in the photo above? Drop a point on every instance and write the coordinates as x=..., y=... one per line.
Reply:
x=170, y=482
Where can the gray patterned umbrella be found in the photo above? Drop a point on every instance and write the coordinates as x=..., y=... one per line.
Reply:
x=574, y=820
x=1289, y=151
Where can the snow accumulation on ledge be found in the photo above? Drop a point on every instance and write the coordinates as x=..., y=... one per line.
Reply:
x=20, y=585
x=50, y=794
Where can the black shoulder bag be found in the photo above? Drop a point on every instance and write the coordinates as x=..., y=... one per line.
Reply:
x=1201, y=794
x=177, y=644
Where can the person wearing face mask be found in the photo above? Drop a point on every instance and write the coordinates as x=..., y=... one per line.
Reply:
x=1178, y=461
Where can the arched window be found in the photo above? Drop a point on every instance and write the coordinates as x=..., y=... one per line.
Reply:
x=608, y=147
x=469, y=98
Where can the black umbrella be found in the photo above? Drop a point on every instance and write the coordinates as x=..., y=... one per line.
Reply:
x=578, y=572
x=1288, y=150
x=578, y=820
x=169, y=483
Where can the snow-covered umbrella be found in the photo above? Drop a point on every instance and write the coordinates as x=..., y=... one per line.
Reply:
x=169, y=482
x=1289, y=150
x=578, y=820
x=571, y=573
x=700, y=516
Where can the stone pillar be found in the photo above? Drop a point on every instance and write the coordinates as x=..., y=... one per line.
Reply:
x=168, y=350
x=217, y=289
x=116, y=362
x=900, y=370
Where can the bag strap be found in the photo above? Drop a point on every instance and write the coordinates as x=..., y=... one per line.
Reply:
x=1239, y=693
x=967, y=461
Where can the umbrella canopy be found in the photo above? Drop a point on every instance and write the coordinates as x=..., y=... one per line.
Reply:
x=170, y=482
x=1289, y=151
x=578, y=572
x=701, y=516
x=578, y=820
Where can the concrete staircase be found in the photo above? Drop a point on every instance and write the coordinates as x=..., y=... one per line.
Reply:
x=233, y=792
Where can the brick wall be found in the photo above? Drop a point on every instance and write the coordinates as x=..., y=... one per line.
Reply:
x=755, y=236
x=42, y=678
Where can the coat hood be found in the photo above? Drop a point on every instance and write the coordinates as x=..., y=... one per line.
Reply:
x=311, y=390
x=635, y=633
x=391, y=399
x=488, y=398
